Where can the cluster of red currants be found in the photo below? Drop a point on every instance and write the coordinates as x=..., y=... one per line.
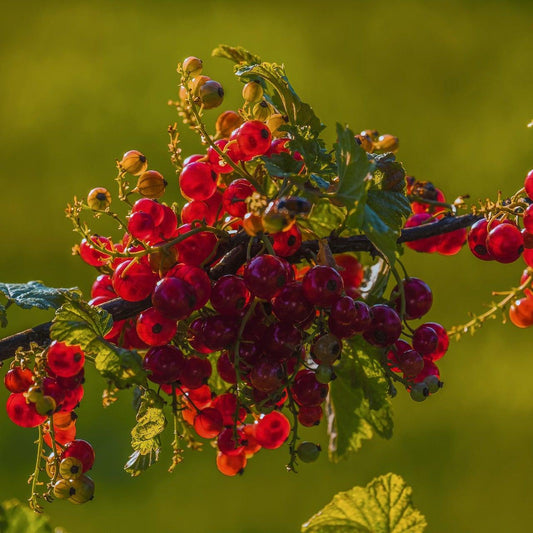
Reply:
x=46, y=396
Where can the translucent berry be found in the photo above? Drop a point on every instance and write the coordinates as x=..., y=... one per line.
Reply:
x=272, y=430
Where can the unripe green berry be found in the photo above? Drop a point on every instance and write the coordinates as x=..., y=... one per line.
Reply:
x=63, y=489
x=308, y=452
x=45, y=405
x=70, y=468
x=324, y=373
x=99, y=199
x=34, y=394
x=419, y=392
x=193, y=66
x=134, y=162
x=211, y=94
x=261, y=111
x=252, y=92
x=83, y=489
x=433, y=384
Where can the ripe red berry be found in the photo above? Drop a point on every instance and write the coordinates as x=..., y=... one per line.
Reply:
x=291, y=305
x=452, y=242
x=253, y=138
x=429, y=369
x=310, y=415
x=477, y=240
x=72, y=398
x=351, y=270
x=267, y=375
x=164, y=364
x=287, y=243
x=225, y=369
x=265, y=276
x=64, y=360
x=103, y=286
x=218, y=164
x=174, y=298
x=23, y=413
x=227, y=443
x=306, y=390
x=226, y=404
x=425, y=340
x=322, y=285
x=197, y=248
x=230, y=296
x=195, y=372
x=418, y=298
x=208, y=423
x=353, y=315
x=92, y=256
x=234, y=197
x=196, y=210
x=154, y=328
x=505, y=243
x=198, y=181
x=133, y=280
x=231, y=465
x=218, y=332
x=443, y=342
x=18, y=379
x=385, y=327
x=410, y=362
x=521, y=312
x=272, y=430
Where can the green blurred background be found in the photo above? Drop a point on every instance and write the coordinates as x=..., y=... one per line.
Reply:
x=82, y=82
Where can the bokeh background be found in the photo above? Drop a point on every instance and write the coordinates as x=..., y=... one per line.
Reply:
x=82, y=82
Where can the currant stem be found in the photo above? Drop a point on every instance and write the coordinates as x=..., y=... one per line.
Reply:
x=35, y=476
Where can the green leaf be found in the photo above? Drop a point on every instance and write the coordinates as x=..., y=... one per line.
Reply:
x=237, y=54
x=84, y=325
x=145, y=435
x=34, y=295
x=324, y=218
x=353, y=167
x=384, y=215
x=16, y=517
x=383, y=506
x=358, y=404
x=282, y=165
x=284, y=96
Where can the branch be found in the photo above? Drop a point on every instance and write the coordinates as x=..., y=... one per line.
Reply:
x=231, y=262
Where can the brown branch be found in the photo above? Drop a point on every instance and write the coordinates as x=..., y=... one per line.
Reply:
x=231, y=261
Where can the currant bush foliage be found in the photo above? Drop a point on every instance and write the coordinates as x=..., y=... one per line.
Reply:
x=383, y=506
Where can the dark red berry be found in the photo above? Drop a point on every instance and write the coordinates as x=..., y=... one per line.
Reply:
x=174, y=298
x=154, y=328
x=230, y=296
x=418, y=298
x=505, y=243
x=133, y=281
x=265, y=276
x=322, y=285
x=425, y=340
x=385, y=327
x=164, y=364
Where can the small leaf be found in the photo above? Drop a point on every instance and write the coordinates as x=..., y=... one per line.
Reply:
x=237, y=54
x=145, y=435
x=353, y=167
x=34, y=294
x=358, y=402
x=80, y=324
x=18, y=518
x=324, y=217
x=383, y=506
x=282, y=165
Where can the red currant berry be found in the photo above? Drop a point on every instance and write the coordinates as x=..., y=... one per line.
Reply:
x=267, y=375
x=225, y=369
x=452, y=242
x=272, y=430
x=174, y=298
x=322, y=285
x=429, y=369
x=196, y=249
x=354, y=314
x=425, y=340
x=385, y=327
x=234, y=197
x=521, y=312
x=253, y=138
x=164, y=364
x=18, y=379
x=230, y=296
x=23, y=413
x=64, y=360
x=310, y=416
x=133, y=281
x=199, y=211
x=218, y=332
x=195, y=372
x=72, y=398
x=103, y=286
x=208, y=423
x=505, y=243
x=442, y=344
x=226, y=404
x=418, y=298
x=477, y=240
x=410, y=362
x=154, y=328
x=231, y=465
x=265, y=276
x=198, y=181
x=92, y=256
x=291, y=305
x=287, y=243
x=227, y=444
x=306, y=390
x=282, y=340
x=394, y=355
